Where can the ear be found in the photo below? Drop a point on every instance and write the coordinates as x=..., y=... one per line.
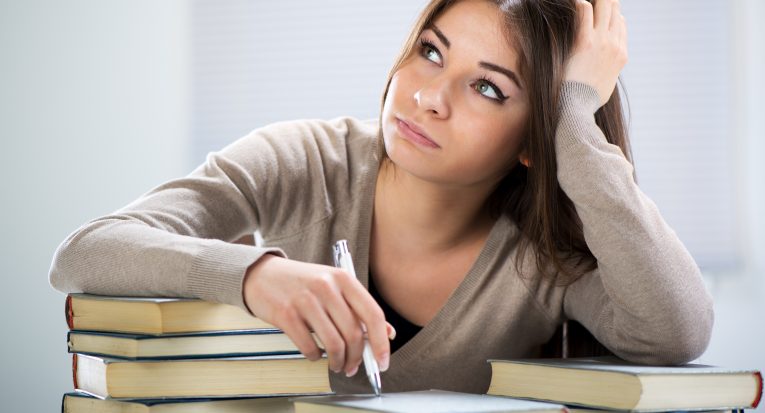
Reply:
x=523, y=158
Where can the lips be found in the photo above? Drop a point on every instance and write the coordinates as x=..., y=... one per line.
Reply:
x=415, y=133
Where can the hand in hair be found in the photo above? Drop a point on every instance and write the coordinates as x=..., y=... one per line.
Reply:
x=600, y=47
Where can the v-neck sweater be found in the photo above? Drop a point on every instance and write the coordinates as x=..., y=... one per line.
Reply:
x=405, y=329
x=305, y=184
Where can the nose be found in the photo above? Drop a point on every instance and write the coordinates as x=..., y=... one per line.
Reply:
x=432, y=97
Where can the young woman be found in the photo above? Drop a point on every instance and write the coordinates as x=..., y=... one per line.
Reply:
x=493, y=200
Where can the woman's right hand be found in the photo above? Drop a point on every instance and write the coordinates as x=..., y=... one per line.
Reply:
x=299, y=297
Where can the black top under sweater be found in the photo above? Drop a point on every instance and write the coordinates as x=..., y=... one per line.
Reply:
x=405, y=329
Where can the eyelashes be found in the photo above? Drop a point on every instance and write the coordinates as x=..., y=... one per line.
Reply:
x=426, y=46
x=485, y=80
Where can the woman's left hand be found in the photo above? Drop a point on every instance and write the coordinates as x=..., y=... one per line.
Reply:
x=600, y=46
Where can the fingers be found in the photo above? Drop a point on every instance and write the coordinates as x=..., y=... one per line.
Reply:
x=319, y=321
x=616, y=17
x=391, y=331
x=294, y=327
x=299, y=297
x=618, y=30
x=603, y=10
x=345, y=321
x=371, y=315
x=623, y=34
x=336, y=310
x=585, y=14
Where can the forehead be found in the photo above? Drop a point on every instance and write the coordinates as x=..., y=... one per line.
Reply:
x=477, y=27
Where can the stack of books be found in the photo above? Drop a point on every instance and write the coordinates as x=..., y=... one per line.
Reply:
x=171, y=355
x=161, y=355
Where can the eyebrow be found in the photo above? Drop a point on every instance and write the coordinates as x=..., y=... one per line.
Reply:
x=507, y=72
x=486, y=65
x=440, y=35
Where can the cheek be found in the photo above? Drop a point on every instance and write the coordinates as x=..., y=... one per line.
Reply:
x=402, y=86
x=494, y=148
x=394, y=97
x=399, y=99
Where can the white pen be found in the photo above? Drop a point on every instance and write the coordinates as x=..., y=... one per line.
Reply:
x=343, y=260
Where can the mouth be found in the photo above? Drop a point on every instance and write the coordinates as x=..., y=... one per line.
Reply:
x=414, y=133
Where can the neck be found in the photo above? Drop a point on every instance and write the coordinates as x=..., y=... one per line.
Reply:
x=422, y=216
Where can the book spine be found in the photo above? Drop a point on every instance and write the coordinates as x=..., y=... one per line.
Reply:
x=758, y=397
x=74, y=370
x=68, y=312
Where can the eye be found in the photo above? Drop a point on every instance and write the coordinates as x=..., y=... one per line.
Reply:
x=429, y=51
x=487, y=88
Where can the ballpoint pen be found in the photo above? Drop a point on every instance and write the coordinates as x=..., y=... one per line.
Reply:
x=343, y=260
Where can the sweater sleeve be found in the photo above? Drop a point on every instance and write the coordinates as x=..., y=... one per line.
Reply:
x=177, y=239
x=646, y=300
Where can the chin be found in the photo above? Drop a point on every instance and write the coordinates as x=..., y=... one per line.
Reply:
x=405, y=156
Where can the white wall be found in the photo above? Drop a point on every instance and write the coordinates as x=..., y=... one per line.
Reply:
x=93, y=112
x=679, y=87
x=749, y=52
x=258, y=62
x=739, y=335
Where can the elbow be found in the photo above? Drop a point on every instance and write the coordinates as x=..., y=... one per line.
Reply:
x=686, y=340
x=676, y=339
x=686, y=345
x=79, y=253
x=60, y=276
x=693, y=331
x=692, y=339
x=72, y=258
x=687, y=329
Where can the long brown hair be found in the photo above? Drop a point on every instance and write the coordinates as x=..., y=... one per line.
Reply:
x=531, y=196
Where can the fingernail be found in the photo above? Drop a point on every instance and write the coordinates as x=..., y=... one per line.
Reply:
x=352, y=372
x=384, y=361
x=392, y=333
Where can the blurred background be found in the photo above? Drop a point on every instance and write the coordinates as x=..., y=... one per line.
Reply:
x=101, y=101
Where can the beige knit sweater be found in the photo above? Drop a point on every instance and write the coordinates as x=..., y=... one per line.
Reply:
x=305, y=184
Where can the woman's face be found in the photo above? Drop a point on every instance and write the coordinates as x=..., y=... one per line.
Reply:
x=461, y=89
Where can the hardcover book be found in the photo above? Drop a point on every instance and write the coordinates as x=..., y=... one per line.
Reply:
x=611, y=383
x=217, y=377
x=155, y=315
x=234, y=343
x=84, y=403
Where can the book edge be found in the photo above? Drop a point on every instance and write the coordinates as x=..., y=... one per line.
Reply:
x=68, y=314
x=186, y=357
x=211, y=333
x=109, y=360
x=680, y=370
x=758, y=397
x=158, y=300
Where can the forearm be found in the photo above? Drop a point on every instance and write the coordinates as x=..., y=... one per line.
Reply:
x=113, y=256
x=653, y=299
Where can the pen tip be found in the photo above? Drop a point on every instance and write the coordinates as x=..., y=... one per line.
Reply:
x=376, y=384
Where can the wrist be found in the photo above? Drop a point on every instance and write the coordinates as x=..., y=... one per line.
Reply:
x=251, y=274
x=576, y=95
